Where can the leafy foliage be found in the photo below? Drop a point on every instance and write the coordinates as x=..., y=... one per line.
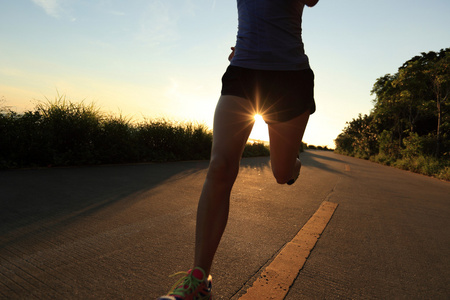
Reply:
x=63, y=133
x=409, y=125
x=256, y=149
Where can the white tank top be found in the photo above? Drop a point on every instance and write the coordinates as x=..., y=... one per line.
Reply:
x=270, y=35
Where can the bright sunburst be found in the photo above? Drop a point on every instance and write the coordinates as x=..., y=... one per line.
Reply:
x=258, y=118
x=259, y=131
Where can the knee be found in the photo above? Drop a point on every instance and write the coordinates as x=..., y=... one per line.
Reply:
x=223, y=169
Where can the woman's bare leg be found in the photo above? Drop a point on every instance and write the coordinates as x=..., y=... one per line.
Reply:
x=233, y=122
x=285, y=141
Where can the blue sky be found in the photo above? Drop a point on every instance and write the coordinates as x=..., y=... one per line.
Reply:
x=165, y=58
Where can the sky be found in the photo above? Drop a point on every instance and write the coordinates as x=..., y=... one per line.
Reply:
x=148, y=59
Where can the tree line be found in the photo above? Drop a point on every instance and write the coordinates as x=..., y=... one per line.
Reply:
x=409, y=125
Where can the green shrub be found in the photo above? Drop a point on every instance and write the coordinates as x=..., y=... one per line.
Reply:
x=60, y=132
x=363, y=155
x=116, y=141
x=383, y=159
x=161, y=140
x=426, y=165
x=413, y=146
x=256, y=149
x=444, y=174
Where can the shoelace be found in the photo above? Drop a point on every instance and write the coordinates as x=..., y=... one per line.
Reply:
x=179, y=288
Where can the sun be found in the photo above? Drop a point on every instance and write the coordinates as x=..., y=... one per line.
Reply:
x=259, y=131
x=258, y=118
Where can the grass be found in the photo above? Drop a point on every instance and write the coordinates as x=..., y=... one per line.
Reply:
x=426, y=165
x=63, y=133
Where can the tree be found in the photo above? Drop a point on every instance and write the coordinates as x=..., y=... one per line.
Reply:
x=439, y=73
x=358, y=138
x=389, y=110
x=413, y=87
x=411, y=109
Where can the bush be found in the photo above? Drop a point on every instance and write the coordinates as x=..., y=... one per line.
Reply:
x=116, y=141
x=383, y=159
x=426, y=165
x=429, y=165
x=69, y=131
x=413, y=146
x=362, y=155
x=256, y=149
x=61, y=133
x=161, y=140
x=444, y=174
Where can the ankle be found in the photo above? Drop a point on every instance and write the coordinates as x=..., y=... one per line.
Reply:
x=199, y=273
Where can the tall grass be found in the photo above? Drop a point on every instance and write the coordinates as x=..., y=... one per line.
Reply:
x=422, y=164
x=62, y=133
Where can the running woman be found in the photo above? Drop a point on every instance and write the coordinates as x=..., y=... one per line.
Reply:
x=269, y=74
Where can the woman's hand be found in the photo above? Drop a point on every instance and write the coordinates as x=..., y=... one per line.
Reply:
x=231, y=54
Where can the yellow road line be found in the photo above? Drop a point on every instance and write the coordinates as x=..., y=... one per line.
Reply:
x=275, y=281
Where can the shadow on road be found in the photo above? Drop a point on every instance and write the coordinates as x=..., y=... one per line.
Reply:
x=38, y=200
x=314, y=158
x=259, y=163
x=47, y=199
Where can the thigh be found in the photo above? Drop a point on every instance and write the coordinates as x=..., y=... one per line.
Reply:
x=233, y=122
x=285, y=141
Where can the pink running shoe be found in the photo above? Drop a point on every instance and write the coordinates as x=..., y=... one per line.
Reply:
x=192, y=286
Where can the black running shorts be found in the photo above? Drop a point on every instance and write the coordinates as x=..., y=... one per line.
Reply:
x=278, y=96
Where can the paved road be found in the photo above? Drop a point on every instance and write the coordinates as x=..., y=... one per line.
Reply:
x=117, y=232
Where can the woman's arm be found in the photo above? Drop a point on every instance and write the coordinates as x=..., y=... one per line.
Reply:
x=232, y=54
x=310, y=3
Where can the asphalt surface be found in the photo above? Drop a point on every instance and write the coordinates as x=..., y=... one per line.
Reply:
x=118, y=232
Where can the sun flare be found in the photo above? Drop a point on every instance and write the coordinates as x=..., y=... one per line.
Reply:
x=258, y=118
x=259, y=131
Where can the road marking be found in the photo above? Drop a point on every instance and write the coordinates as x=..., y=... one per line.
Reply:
x=347, y=168
x=274, y=282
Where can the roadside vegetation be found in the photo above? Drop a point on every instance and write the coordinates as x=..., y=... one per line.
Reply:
x=409, y=126
x=314, y=147
x=64, y=133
